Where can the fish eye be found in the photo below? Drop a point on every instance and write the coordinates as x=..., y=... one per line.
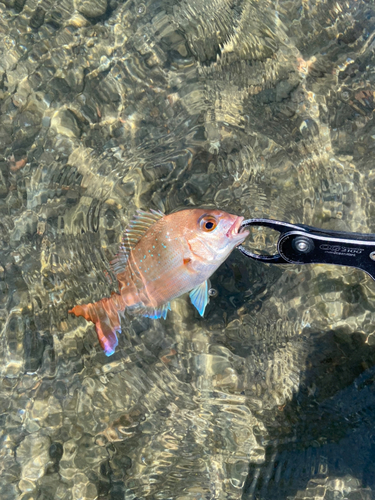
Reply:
x=208, y=223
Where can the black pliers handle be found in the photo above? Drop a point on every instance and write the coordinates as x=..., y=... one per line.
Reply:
x=301, y=244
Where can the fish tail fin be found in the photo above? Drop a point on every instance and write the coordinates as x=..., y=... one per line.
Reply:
x=82, y=310
x=105, y=316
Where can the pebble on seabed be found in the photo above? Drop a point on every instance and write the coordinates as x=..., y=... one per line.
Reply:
x=91, y=8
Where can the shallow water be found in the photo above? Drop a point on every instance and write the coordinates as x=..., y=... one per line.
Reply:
x=264, y=109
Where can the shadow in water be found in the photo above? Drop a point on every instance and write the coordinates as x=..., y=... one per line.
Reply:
x=322, y=443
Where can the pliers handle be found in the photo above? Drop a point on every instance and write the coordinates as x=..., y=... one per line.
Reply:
x=301, y=244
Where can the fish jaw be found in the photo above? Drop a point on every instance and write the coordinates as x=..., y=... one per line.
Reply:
x=235, y=234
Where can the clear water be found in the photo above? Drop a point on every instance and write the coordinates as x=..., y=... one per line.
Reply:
x=264, y=109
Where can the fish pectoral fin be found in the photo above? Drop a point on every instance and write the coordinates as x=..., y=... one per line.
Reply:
x=150, y=312
x=199, y=297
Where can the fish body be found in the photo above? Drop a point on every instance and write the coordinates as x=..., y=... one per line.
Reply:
x=161, y=258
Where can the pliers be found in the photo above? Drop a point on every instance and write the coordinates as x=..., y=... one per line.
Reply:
x=301, y=244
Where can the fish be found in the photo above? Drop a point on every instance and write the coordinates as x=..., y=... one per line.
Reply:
x=160, y=258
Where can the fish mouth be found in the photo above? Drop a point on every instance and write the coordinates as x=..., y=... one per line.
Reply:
x=234, y=231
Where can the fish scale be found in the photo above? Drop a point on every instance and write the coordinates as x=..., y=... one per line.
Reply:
x=162, y=257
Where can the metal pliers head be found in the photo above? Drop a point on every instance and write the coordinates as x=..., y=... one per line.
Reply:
x=301, y=244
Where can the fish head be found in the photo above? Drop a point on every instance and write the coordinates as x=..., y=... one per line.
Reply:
x=212, y=233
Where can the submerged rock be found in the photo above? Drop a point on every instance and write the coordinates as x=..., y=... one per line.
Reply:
x=64, y=122
x=33, y=455
x=91, y=8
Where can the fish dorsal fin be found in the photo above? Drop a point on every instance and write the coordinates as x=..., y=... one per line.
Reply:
x=138, y=226
x=199, y=297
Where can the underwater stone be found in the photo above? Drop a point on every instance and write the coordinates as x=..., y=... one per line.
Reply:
x=91, y=8
x=78, y=21
x=5, y=139
x=33, y=456
x=82, y=488
x=18, y=5
x=64, y=123
x=25, y=485
x=37, y=18
x=28, y=123
x=33, y=350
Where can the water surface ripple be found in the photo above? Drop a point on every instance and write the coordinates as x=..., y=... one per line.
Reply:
x=264, y=109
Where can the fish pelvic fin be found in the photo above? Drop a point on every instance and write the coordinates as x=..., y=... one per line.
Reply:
x=138, y=226
x=199, y=297
x=105, y=316
x=150, y=312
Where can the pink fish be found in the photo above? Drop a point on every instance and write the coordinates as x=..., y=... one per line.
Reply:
x=161, y=258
